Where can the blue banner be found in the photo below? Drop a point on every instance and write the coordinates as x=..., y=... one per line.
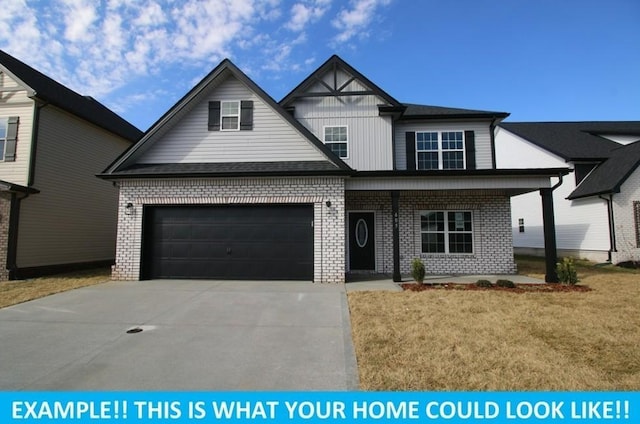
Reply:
x=319, y=407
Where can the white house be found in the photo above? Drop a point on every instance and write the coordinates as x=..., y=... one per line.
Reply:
x=596, y=212
x=336, y=178
x=54, y=214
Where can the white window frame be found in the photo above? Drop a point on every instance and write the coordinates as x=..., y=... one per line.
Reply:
x=4, y=138
x=441, y=150
x=229, y=115
x=446, y=232
x=346, y=141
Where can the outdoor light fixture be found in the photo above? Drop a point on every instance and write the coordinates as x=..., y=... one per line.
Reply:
x=129, y=209
x=328, y=203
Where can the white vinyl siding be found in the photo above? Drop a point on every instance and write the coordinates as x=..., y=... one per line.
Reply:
x=17, y=103
x=73, y=218
x=272, y=137
x=625, y=219
x=581, y=225
x=370, y=135
x=480, y=129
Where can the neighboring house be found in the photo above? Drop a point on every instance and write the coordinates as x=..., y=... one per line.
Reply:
x=338, y=177
x=597, y=209
x=54, y=214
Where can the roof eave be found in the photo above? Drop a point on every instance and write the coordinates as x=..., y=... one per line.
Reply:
x=490, y=116
x=551, y=172
x=127, y=176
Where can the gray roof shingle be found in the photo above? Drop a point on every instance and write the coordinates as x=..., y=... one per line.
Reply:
x=53, y=92
x=414, y=111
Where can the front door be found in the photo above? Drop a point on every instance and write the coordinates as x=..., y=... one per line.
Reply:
x=362, y=252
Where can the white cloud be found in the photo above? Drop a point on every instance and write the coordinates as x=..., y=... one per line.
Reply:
x=303, y=13
x=355, y=20
x=101, y=48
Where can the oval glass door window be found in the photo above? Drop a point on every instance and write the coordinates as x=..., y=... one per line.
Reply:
x=362, y=233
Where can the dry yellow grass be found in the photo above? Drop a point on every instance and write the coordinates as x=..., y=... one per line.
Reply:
x=13, y=292
x=489, y=340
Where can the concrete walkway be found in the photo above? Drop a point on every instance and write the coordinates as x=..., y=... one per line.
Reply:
x=196, y=335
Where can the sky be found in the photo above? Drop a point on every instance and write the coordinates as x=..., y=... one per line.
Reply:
x=540, y=60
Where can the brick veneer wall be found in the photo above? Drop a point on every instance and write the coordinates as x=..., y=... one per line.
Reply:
x=492, y=236
x=329, y=245
x=5, y=214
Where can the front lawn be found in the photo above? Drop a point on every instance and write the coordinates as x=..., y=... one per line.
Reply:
x=493, y=340
x=13, y=292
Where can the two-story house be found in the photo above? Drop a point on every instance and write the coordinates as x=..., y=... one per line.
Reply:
x=597, y=209
x=54, y=214
x=338, y=177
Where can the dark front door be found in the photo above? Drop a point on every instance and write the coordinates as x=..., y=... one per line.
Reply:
x=256, y=242
x=362, y=251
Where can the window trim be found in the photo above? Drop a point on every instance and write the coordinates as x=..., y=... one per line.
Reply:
x=440, y=150
x=447, y=232
x=223, y=115
x=346, y=142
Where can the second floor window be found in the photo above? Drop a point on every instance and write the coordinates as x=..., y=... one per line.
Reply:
x=440, y=150
x=337, y=140
x=230, y=115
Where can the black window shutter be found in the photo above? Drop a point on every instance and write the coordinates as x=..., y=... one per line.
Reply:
x=214, y=116
x=246, y=115
x=410, y=137
x=470, y=149
x=12, y=138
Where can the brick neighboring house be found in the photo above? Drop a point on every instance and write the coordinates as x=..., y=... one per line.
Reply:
x=336, y=178
x=54, y=214
x=597, y=209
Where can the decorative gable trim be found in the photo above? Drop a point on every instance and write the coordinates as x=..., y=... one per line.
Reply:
x=332, y=65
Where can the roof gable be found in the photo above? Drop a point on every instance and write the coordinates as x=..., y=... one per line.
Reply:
x=335, y=77
x=225, y=82
x=571, y=141
x=609, y=176
x=46, y=89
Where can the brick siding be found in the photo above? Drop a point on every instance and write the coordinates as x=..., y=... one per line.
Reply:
x=492, y=237
x=329, y=244
x=5, y=214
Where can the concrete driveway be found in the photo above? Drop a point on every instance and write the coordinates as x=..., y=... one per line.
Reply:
x=196, y=335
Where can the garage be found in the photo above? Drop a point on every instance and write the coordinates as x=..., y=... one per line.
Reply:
x=243, y=242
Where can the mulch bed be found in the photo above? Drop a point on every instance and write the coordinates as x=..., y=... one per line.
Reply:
x=520, y=288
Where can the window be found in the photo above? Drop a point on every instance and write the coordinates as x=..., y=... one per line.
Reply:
x=440, y=150
x=3, y=137
x=336, y=139
x=230, y=116
x=446, y=231
x=521, y=225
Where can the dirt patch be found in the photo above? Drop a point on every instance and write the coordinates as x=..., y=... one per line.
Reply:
x=519, y=288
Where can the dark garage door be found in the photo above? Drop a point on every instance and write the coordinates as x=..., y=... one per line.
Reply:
x=270, y=242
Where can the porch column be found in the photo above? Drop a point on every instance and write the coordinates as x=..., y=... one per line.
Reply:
x=395, y=215
x=549, y=225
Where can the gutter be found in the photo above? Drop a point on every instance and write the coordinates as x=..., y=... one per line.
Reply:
x=612, y=231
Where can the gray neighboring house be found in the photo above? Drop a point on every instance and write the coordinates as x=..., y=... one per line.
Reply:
x=335, y=179
x=54, y=214
x=597, y=210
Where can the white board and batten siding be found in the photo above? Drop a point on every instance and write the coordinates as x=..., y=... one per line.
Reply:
x=480, y=129
x=271, y=139
x=74, y=217
x=581, y=225
x=17, y=103
x=368, y=134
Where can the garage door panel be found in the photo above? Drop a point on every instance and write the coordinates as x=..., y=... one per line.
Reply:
x=261, y=242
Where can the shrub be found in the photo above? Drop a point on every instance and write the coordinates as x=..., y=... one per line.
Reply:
x=566, y=270
x=506, y=283
x=484, y=283
x=417, y=270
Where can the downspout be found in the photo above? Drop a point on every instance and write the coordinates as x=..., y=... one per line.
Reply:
x=612, y=231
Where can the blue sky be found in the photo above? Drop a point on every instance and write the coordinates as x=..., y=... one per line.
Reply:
x=540, y=60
